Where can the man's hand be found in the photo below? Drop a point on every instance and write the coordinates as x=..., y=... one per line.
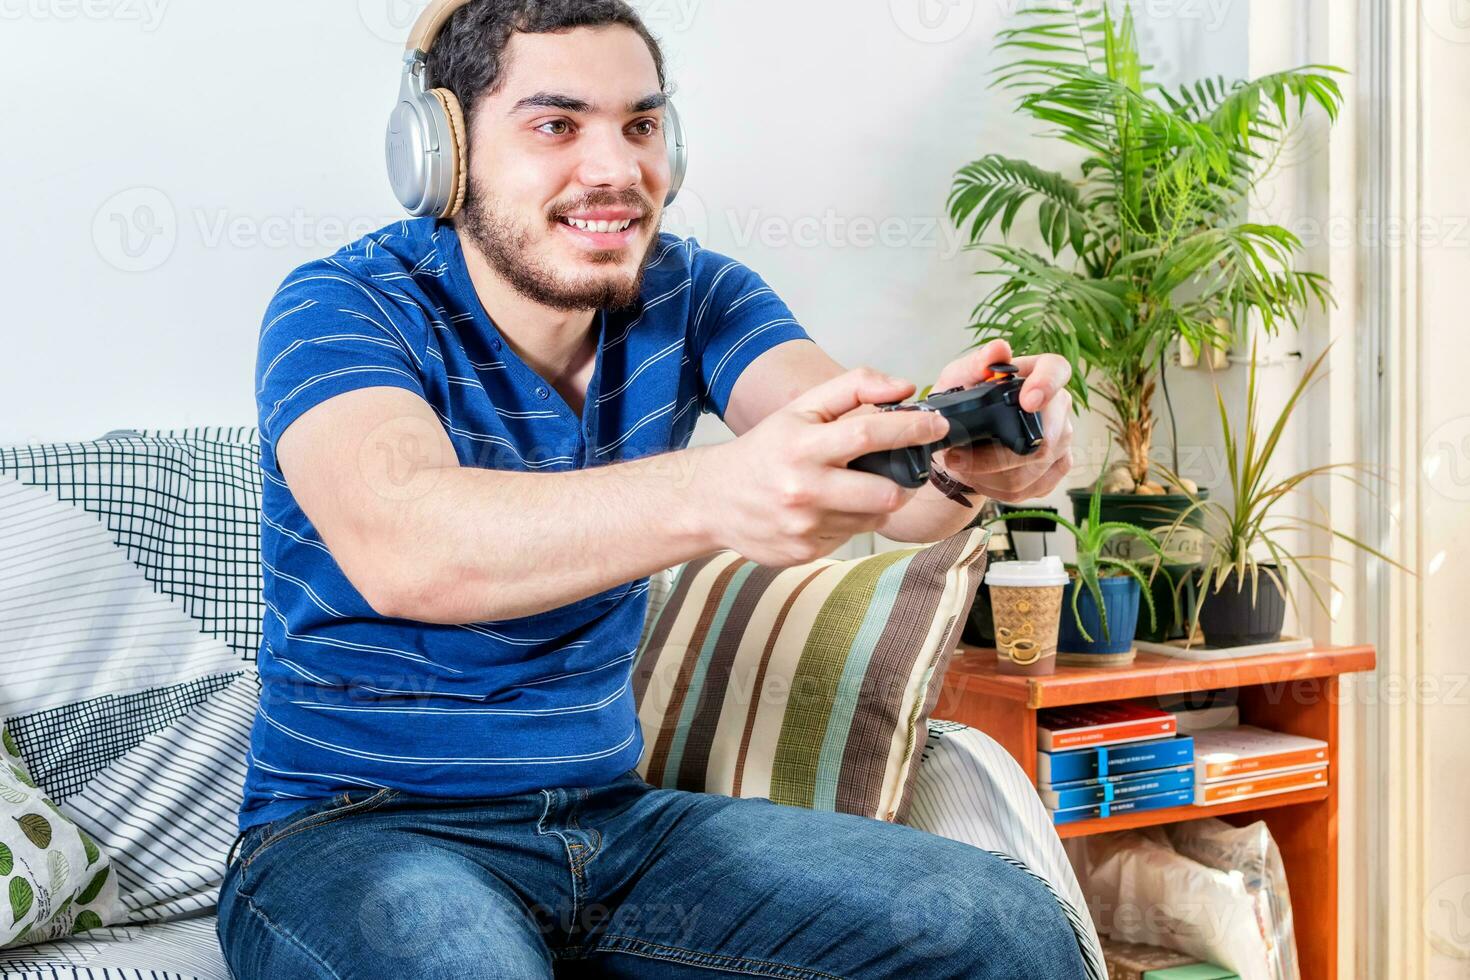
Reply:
x=993, y=470
x=782, y=494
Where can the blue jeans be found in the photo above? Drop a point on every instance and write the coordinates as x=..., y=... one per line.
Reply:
x=625, y=880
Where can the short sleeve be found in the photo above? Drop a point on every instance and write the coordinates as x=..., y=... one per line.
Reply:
x=327, y=331
x=736, y=317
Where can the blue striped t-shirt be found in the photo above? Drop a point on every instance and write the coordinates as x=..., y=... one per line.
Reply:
x=352, y=700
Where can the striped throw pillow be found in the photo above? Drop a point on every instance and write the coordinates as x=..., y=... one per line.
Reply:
x=809, y=685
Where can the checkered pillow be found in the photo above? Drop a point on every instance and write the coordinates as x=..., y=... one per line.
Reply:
x=131, y=587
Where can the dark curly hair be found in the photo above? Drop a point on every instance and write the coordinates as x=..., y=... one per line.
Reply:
x=469, y=56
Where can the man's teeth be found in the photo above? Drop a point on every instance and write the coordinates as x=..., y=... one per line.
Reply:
x=603, y=227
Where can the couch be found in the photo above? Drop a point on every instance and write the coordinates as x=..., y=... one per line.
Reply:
x=137, y=724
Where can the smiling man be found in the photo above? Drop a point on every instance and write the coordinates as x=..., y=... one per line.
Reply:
x=473, y=434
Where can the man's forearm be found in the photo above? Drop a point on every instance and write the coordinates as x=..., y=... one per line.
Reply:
x=484, y=545
x=930, y=516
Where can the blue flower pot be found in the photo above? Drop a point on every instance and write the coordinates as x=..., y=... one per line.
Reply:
x=1121, y=596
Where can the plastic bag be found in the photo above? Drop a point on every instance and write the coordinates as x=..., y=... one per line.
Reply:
x=1252, y=852
x=1141, y=890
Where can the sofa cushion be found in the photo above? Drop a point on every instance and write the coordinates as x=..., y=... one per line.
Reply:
x=808, y=685
x=55, y=879
x=129, y=610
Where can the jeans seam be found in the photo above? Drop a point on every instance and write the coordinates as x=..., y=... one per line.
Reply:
x=578, y=881
x=372, y=802
x=743, y=963
x=286, y=935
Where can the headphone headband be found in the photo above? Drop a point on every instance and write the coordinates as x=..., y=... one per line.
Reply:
x=430, y=24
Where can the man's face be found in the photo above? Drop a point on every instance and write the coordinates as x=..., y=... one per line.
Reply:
x=568, y=168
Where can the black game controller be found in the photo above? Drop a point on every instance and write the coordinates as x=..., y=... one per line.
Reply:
x=990, y=412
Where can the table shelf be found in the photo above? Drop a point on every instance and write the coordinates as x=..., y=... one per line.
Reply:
x=1296, y=693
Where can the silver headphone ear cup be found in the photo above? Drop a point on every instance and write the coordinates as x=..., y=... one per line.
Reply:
x=420, y=147
x=678, y=151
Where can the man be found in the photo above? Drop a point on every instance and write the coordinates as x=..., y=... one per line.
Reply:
x=473, y=443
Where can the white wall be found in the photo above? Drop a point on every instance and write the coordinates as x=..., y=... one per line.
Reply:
x=167, y=162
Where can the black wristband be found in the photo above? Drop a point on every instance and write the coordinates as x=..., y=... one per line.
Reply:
x=950, y=487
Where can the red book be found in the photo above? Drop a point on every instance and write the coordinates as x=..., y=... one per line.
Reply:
x=1110, y=723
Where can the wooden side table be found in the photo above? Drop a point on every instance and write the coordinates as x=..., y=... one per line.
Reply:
x=1293, y=692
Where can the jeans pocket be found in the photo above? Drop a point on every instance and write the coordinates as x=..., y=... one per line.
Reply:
x=314, y=815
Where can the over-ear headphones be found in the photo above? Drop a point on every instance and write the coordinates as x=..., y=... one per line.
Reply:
x=428, y=160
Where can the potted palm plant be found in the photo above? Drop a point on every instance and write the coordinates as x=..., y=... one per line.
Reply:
x=1105, y=590
x=1242, y=579
x=1144, y=243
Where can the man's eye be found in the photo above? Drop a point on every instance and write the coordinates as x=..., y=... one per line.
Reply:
x=557, y=127
x=645, y=127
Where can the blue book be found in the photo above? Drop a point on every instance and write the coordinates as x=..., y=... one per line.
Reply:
x=1092, y=791
x=1113, y=760
x=1162, y=801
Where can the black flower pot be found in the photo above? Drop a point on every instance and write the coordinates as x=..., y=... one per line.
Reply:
x=1233, y=617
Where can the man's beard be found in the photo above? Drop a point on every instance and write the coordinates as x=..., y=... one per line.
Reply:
x=505, y=245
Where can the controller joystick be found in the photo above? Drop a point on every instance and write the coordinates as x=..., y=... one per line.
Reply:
x=988, y=413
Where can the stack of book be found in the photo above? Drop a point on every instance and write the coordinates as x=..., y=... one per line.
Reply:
x=1098, y=760
x=1246, y=762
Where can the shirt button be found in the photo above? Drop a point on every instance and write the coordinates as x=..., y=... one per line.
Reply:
x=495, y=345
x=542, y=393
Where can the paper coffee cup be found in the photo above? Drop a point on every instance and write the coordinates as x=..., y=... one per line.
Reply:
x=1026, y=601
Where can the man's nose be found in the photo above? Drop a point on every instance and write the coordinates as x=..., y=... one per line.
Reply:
x=609, y=160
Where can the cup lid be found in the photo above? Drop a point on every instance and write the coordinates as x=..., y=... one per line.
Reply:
x=1047, y=572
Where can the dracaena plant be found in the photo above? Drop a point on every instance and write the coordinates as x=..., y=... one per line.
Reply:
x=1091, y=562
x=1144, y=242
x=1246, y=538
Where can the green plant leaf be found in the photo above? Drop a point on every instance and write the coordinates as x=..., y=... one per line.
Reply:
x=90, y=847
x=86, y=919
x=36, y=828
x=21, y=898
x=7, y=859
x=94, y=887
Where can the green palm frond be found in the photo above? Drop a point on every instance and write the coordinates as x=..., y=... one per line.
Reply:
x=1145, y=243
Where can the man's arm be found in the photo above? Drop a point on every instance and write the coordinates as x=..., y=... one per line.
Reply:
x=784, y=372
x=781, y=374
x=421, y=537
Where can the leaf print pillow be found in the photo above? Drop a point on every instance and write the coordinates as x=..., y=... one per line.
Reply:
x=54, y=880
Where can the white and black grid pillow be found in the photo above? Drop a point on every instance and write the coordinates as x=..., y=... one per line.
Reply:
x=130, y=613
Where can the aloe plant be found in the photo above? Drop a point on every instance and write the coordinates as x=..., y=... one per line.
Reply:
x=1092, y=538
x=1144, y=243
x=1236, y=534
